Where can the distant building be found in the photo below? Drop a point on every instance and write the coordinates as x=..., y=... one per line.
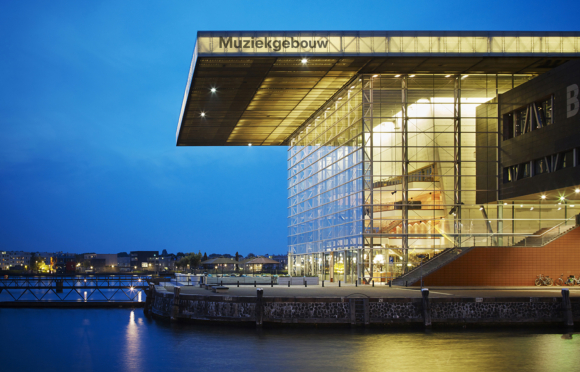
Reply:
x=110, y=259
x=11, y=259
x=63, y=258
x=282, y=258
x=162, y=263
x=123, y=260
x=139, y=259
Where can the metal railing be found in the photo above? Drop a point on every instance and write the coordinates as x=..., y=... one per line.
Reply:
x=66, y=288
x=547, y=236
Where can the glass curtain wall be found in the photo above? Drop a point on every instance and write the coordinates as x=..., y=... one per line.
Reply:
x=325, y=186
x=426, y=140
x=392, y=171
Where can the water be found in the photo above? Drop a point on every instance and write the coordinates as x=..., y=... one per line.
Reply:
x=126, y=340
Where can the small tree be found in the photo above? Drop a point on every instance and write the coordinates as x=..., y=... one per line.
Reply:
x=183, y=261
x=194, y=260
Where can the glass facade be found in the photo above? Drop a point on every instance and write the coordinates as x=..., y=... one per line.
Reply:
x=325, y=185
x=393, y=170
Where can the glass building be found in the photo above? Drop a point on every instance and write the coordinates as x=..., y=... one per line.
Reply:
x=385, y=174
x=394, y=139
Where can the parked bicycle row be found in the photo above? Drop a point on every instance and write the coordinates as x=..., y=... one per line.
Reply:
x=561, y=281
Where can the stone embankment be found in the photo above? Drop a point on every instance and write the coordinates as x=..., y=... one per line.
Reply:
x=359, y=309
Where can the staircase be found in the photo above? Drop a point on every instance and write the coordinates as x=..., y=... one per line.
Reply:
x=442, y=259
x=538, y=239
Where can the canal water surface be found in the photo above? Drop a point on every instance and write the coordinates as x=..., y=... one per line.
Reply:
x=126, y=340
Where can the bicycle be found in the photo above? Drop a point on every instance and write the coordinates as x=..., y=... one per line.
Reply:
x=569, y=281
x=543, y=280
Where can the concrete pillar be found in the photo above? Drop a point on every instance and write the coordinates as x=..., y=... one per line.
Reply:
x=426, y=307
x=59, y=285
x=259, y=306
x=149, y=299
x=367, y=311
x=175, y=307
x=567, y=308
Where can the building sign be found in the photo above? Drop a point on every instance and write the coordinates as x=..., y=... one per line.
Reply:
x=387, y=43
x=572, y=105
x=269, y=43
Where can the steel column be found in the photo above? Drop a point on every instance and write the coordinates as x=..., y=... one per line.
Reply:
x=405, y=174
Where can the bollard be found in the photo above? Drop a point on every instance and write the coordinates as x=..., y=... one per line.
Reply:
x=390, y=282
x=221, y=283
x=373, y=283
x=567, y=308
x=238, y=284
x=426, y=307
x=405, y=283
x=356, y=283
x=305, y=283
x=323, y=284
x=254, y=284
x=339, y=283
x=289, y=282
x=271, y=283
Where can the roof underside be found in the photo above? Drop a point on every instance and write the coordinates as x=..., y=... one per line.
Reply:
x=262, y=100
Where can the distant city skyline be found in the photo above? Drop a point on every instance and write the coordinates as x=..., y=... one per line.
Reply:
x=90, y=95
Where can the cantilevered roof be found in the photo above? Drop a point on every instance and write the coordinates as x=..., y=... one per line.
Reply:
x=268, y=83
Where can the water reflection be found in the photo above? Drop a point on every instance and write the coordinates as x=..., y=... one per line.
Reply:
x=133, y=355
x=123, y=339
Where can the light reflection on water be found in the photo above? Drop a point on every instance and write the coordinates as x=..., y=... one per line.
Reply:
x=125, y=340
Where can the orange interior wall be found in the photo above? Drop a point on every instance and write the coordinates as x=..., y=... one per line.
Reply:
x=511, y=266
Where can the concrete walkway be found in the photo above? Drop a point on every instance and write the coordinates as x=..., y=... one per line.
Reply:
x=332, y=290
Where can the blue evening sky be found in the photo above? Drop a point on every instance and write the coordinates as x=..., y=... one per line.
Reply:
x=90, y=94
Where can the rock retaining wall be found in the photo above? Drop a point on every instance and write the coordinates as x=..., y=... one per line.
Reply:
x=360, y=310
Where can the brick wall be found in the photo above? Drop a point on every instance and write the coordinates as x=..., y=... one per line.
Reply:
x=511, y=266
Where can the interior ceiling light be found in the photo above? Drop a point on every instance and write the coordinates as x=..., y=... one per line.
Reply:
x=532, y=208
x=213, y=90
x=304, y=60
x=397, y=75
x=577, y=191
x=352, y=87
x=411, y=75
x=202, y=114
x=464, y=76
x=543, y=196
x=375, y=75
x=339, y=98
x=562, y=197
x=447, y=75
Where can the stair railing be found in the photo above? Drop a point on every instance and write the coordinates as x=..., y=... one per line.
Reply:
x=553, y=232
